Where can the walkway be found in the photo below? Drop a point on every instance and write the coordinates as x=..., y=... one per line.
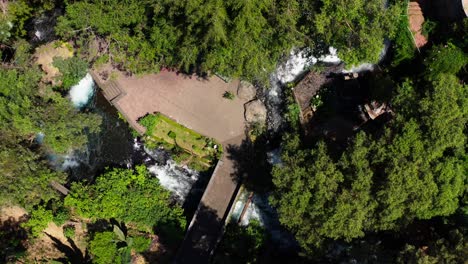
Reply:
x=199, y=105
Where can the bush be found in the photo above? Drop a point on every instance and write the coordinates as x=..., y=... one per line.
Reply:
x=72, y=70
x=141, y=244
x=40, y=218
x=149, y=122
x=69, y=231
x=103, y=249
x=132, y=196
x=229, y=95
x=447, y=59
x=172, y=134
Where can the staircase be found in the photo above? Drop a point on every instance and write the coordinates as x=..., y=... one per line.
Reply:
x=110, y=89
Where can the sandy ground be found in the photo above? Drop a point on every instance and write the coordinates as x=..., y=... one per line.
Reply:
x=195, y=103
x=45, y=56
x=13, y=213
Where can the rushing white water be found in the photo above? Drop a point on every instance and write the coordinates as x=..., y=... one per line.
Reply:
x=297, y=63
x=178, y=180
x=81, y=93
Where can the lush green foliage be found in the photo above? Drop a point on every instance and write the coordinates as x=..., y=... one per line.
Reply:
x=234, y=38
x=241, y=244
x=27, y=109
x=403, y=42
x=38, y=221
x=72, y=70
x=104, y=249
x=129, y=196
x=414, y=170
x=69, y=232
x=357, y=28
x=115, y=247
x=447, y=59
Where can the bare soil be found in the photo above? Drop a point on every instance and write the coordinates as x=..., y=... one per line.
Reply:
x=45, y=56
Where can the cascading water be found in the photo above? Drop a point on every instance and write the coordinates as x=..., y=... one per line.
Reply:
x=178, y=180
x=298, y=62
x=116, y=147
x=81, y=93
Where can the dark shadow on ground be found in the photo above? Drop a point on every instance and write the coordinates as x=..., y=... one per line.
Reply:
x=196, y=192
x=12, y=239
x=250, y=162
x=73, y=253
x=201, y=237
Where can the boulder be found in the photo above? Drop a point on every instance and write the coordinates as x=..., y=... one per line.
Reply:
x=255, y=112
x=246, y=91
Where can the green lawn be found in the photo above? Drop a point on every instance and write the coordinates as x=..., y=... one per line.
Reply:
x=161, y=128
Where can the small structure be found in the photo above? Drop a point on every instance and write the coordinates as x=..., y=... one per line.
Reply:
x=375, y=109
x=308, y=88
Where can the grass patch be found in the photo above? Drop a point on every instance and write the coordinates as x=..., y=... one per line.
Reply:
x=161, y=130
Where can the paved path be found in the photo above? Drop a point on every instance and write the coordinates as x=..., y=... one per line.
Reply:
x=199, y=105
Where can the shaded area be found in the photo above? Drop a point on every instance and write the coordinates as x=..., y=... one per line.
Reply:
x=207, y=224
x=72, y=253
x=201, y=236
x=13, y=239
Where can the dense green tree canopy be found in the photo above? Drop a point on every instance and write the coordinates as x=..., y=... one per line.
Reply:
x=234, y=38
x=357, y=28
x=129, y=196
x=27, y=109
x=415, y=170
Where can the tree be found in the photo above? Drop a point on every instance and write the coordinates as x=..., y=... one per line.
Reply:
x=38, y=221
x=357, y=28
x=104, y=249
x=72, y=70
x=27, y=112
x=129, y=196
x=241, y=244
x=415, y=168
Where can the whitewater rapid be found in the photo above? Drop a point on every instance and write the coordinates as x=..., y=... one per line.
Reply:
x=81, y=93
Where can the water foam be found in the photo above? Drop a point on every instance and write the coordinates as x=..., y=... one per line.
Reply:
x=178, y=180
x=81, y=93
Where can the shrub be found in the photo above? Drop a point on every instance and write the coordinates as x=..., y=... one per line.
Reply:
x=149, y=122
x=172, y=134
x=69, y=231
x=72, y=70
x=127, y=195
x=103, y=249
x=40, y=218
x=141, y=244
x=229, y=95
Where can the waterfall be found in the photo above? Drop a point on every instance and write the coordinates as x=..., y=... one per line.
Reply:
x=81, y=93
x=178, y=180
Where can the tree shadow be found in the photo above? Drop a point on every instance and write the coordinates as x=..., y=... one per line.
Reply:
x=202, y=236
x=72, y=253
x=250, y=163
x=13, y=238
x=196, y=192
